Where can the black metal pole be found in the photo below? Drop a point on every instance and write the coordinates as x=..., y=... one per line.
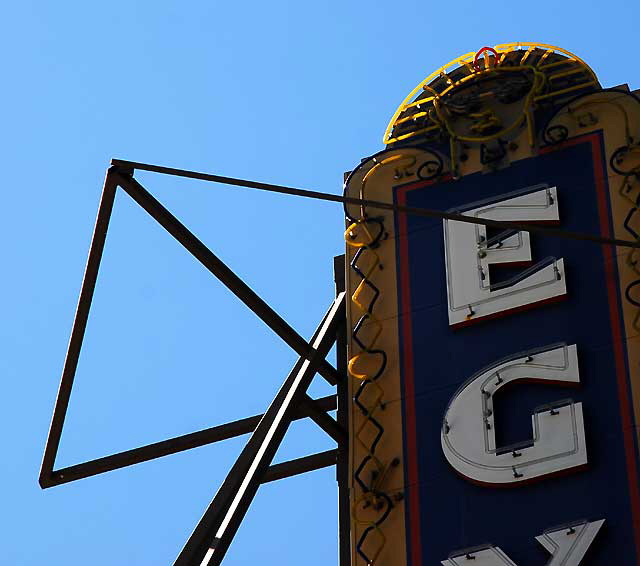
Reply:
x=79, y=326
x=342, y=467
x=212, y=536
x=300, y=465
x=175, y=445
x=209, y=260
x=324, y=421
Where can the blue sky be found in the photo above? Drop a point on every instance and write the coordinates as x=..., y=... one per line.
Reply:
x=284, y=92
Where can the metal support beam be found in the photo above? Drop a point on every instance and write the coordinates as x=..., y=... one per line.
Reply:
x=324, y=421
x=79, y=326
x=175, y=445
x=300, y=465
x=212, y=536
x=342, y=468
x=226, y=276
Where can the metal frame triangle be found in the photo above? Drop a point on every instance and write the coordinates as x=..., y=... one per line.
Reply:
x=216, y=529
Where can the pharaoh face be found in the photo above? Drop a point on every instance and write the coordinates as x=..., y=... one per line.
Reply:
x=487, y=104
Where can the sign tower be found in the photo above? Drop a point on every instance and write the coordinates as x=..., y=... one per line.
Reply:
x=495, y=371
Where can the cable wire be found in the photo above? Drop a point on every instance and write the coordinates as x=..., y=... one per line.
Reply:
x=425, y=212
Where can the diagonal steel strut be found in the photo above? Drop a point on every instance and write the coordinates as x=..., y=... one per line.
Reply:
x=226, y=276
x=212, y=536
x=181, y=443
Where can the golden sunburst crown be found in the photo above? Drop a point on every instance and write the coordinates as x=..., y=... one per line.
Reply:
x=551, y=73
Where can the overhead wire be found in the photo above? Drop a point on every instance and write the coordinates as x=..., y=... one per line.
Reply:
x=416, y=211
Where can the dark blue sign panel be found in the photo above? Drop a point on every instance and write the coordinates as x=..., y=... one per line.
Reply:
x=445, y=511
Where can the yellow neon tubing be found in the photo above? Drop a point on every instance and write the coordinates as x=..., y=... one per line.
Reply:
x=419, y=102
x=462, y=59
x=538, y=77
x=349, y=232
x=565, y=74
x=537, y=85
x=412, y=117
x=526, y=55
x=625, y=115
x=550, y=48
x=565, y=90
x=504, y=49
x=377, y=166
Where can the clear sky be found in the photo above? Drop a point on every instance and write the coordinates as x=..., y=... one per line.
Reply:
x=285, y=92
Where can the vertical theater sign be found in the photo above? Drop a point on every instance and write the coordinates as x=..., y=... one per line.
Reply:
x=496, y=373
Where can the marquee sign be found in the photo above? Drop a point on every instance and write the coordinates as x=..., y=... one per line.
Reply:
x=496, y=373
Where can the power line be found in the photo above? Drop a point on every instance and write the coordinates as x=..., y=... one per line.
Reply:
x=544, y=230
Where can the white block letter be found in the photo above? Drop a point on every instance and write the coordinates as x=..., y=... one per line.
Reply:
x=469, y=253
x=567, y=546
x=468, y=433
